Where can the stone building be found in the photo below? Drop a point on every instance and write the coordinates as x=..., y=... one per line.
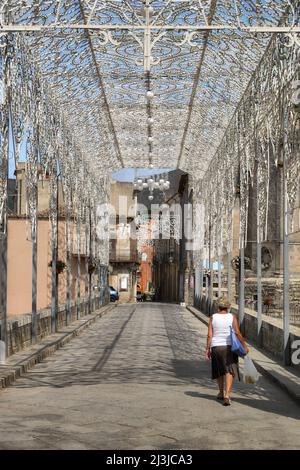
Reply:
x=173, y=277
x=272, y=252
x=123, y=256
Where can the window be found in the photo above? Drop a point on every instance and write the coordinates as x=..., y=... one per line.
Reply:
x=124, y=283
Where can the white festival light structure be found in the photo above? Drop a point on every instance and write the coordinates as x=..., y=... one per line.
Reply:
x=95, y=86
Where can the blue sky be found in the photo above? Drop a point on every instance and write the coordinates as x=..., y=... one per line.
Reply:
x=129, y=174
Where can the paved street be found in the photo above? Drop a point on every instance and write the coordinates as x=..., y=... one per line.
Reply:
x=136, y=379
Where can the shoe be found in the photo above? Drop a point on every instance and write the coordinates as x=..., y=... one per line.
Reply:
x=226, y=402
x=220, y=396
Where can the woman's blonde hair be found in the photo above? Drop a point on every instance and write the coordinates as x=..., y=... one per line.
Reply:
x=223, y=302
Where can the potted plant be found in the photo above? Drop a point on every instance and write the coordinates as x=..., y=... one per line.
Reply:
x=60, y=266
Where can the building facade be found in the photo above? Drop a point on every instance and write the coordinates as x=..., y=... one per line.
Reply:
x=123, y=255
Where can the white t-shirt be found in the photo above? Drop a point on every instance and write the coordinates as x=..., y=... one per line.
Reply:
x=221, y=325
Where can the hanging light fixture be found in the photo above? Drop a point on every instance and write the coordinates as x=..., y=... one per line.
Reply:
x=150, y=94
x=152, y=182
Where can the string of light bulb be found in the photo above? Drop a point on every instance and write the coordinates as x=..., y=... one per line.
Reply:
x=159, y=182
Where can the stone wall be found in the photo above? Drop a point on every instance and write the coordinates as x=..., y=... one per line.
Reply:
x=19, y=327
x=272, y=289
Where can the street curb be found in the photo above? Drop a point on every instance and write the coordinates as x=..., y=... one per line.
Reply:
x=263, y=371
x=10, y=372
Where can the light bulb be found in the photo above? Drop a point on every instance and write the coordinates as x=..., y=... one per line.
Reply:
x=150, y=94
x=148, y=9
x=150, y=180
x=150, y=120
x=150, y=139
x=145, y=185
x=139, y=181
x=150, y=197
x=161, y=181
x=151, y=166
x=156, y=184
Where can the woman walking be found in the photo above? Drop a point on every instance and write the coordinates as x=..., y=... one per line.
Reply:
x=224, y=362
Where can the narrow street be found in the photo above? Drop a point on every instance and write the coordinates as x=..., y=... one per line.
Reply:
x=137, y=379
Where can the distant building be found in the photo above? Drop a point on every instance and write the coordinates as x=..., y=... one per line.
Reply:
x=172, y=271
x=123, y=255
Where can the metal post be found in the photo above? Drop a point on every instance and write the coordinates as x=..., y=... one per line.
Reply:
x=207, y=310
x=3, y=214
x=229, y=277
x=54, y=287
x=95, y=254
x=34, y=284
x=197, y=285
x=242, y=284
x=259, y=280
x=34, y=235
x=78, y=227
x=210, y=261
x=91, y=257
x=54, y=247
x=286, y=271
x=219, y=277
x=201, y=280
x=87, y=240
x=68, y=262
x=286, y=222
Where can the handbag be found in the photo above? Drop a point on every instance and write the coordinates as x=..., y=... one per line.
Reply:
x=236, y=346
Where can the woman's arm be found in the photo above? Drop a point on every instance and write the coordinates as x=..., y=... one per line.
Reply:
x=239, y=334
x=209, y=335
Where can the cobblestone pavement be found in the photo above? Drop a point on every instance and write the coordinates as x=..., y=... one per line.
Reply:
x=136, y=379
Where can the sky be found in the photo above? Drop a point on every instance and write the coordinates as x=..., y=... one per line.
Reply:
x=129, y=174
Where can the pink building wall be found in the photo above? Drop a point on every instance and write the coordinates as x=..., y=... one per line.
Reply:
x=19, y=275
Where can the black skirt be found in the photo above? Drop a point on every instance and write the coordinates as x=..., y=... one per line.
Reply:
x=224, y=361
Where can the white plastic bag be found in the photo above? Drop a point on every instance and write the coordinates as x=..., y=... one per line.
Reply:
x=251, y=375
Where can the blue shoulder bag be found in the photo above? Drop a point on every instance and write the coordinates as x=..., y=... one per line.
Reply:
x=236, y=346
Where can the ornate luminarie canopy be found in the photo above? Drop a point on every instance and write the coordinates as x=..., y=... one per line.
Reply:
x=147, y=82
x=94, y=86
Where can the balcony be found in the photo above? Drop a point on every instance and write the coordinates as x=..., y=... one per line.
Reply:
x=123, y=251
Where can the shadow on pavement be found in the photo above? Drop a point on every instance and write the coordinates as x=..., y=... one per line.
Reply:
x=269, y=406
